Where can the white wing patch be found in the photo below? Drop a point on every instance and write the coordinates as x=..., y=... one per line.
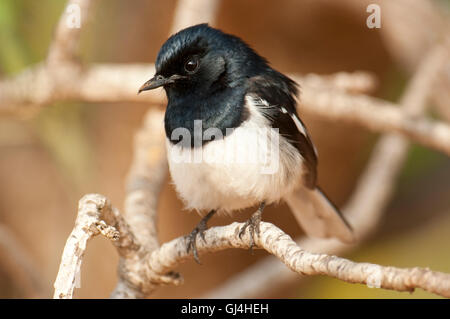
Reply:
x=299, y=124
x=301, y=128
x=267, y=109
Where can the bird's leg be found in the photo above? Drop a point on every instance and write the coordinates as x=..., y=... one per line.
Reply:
x=253, y=225
x=198, y=230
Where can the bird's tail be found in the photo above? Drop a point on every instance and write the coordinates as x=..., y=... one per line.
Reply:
x=318, y=216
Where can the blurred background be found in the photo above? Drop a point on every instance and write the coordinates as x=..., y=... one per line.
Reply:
x=48, y=162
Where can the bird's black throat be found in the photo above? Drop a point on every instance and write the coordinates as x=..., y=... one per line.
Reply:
x=189, y=115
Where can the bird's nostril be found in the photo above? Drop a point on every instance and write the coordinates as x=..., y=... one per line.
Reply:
x=159, y=77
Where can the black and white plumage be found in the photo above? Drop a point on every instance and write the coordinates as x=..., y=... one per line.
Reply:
x=216, y=78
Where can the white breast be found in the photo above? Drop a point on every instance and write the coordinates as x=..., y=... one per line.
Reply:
x=252, y=164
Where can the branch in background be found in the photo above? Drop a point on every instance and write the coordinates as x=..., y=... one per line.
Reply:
x=190, y=12
x=63, y=48
x=145, y=178
x=353, y=82
x=368, y=202
x=117, y=83
x=36, y=87
x=377, y=183
x=441, y=98
x=408, y=41
x=376, y=115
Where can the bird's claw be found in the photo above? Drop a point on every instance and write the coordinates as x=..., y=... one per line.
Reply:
x=192, y=239
x=253, y=226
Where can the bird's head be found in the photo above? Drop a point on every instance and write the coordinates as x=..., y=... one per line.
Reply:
x=201, y=60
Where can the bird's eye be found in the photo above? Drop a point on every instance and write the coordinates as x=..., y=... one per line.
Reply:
x=191, y=65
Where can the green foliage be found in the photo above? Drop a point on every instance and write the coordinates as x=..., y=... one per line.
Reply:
x=13, y=52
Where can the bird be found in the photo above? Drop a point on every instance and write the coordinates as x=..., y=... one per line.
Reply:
x=234, y=139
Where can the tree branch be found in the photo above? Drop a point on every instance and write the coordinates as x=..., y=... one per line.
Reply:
x=94, y=210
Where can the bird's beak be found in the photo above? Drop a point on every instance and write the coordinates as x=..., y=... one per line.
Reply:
x=153, y=83
x=159, y=80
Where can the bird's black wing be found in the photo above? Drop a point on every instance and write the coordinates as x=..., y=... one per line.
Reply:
x=279, y=92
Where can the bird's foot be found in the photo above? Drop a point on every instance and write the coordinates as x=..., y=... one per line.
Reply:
x=198, y=230
x=253, y=226
x=192, y=239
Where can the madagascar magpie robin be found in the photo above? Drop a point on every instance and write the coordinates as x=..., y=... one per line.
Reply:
x=226, y=102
